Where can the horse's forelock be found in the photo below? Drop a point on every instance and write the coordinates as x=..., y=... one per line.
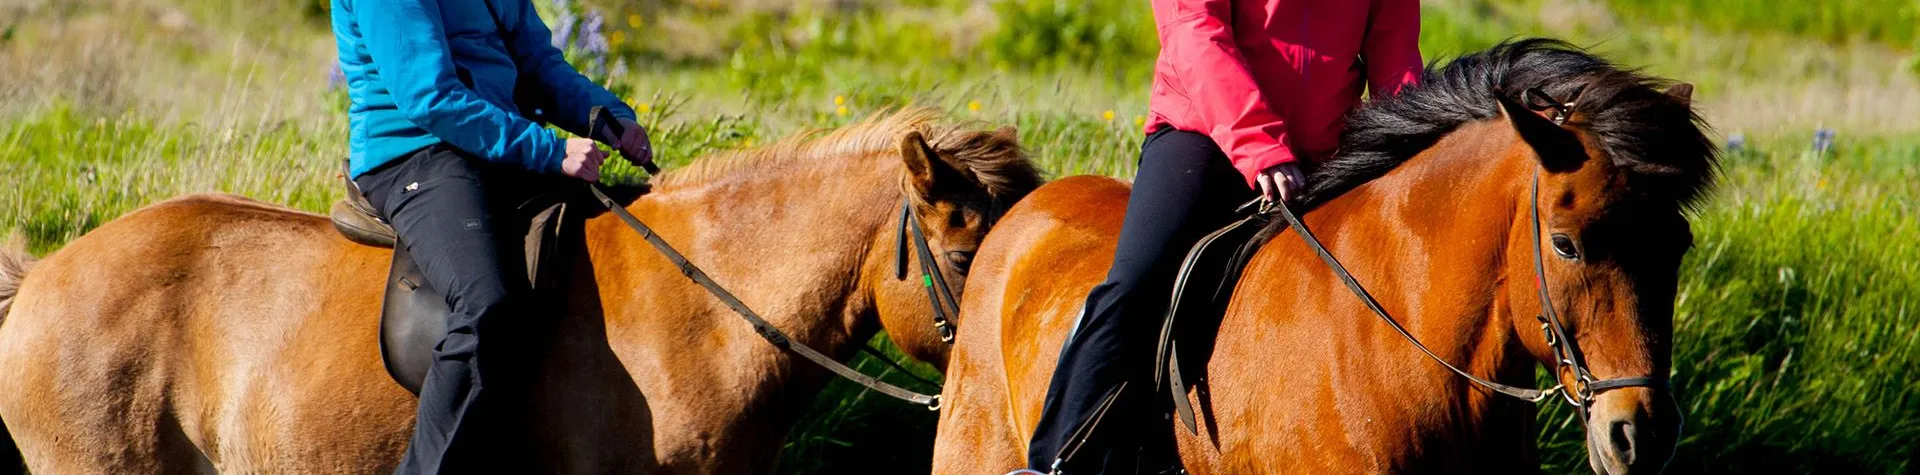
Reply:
x=993, y=160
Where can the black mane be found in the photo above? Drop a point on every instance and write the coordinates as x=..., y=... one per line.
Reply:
x=1658, y=140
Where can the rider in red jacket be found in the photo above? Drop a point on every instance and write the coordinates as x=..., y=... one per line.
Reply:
x=1243, y=92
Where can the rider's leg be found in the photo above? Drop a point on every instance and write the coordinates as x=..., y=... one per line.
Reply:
x=438, y=205
x=1185, y=187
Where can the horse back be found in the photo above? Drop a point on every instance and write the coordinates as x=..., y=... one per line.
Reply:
x=1024, y=292
x=167, y=330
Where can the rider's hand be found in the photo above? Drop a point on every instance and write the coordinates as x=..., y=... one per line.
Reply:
x=583, y=160
x=634, y=145
x=1281, y=183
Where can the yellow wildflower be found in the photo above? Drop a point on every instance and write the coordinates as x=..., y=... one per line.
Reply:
x=617, y=38
x=633, y=20
x=842, y=110
x=645, y=107
x=840, y=100
x=1139, y=121
x=1108, y=115
x=973, y=106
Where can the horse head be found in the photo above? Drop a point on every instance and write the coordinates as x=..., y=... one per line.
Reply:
x=1595, y=249
x=956, y=182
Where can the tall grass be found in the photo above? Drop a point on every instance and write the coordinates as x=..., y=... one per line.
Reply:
x=1796, y=326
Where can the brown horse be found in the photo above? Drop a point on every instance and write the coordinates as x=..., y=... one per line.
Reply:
x=1428, y=206
x=216, y=333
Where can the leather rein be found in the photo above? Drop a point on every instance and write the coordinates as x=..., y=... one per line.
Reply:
x=602, y=122
x=760, y=325
x=1566, y=351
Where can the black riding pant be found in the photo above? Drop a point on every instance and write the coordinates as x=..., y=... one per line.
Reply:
x=1185, y=188
x=455, y=213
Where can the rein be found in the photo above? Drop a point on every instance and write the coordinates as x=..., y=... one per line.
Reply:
x=760, y=325
x=1566, y=350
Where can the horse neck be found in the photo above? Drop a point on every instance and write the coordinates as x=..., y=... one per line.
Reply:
x=788, y=238
x=1428, y=240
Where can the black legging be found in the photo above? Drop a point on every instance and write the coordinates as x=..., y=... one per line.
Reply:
x=1184, y=189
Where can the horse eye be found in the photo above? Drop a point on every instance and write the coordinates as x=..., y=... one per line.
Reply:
x=961, y=260
x=1563, y=246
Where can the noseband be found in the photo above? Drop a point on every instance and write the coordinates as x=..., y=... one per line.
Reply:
x=1566, y=351
x=938, y=293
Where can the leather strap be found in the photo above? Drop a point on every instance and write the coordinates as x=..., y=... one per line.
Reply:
x=1167, y=360
x=1374, y=305
x=938, y=292
x=760, y=325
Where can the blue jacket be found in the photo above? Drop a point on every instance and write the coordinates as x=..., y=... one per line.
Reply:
x=421, y=72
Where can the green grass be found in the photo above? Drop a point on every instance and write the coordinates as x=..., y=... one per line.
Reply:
x=1796, y=329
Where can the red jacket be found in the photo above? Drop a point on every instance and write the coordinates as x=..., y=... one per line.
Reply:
x=1271, y=81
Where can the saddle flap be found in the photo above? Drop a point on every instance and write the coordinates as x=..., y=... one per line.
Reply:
x=413, y=316
x=1201, y=290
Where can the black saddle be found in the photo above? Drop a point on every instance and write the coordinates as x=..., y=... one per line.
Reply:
x=1201, y=291
x=1202, y=288
x=413, y=315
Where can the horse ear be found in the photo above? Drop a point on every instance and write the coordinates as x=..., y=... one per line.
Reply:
x=1681, y=92
x=924, y=165
x=1556, y=146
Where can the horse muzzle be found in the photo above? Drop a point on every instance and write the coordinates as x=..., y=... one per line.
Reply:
x=1632, y=431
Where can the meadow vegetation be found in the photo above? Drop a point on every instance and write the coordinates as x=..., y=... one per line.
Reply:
x=1799, y=312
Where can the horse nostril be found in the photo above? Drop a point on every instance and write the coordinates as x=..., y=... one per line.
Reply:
x=1623, y=437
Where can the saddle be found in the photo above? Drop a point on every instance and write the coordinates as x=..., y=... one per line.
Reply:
x=1202, y=287
x=413, y=315
x=1201, y=290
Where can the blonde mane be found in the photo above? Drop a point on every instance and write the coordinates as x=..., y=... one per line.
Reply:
x=993, y=160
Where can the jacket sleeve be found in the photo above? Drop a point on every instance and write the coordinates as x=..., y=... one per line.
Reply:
x=1392, y=48
x=572, y=94
x=409, y=47
x=1198, y=36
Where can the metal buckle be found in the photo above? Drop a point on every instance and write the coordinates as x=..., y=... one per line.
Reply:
x=945, y=328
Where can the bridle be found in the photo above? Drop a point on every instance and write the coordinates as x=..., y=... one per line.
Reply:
x=938, y=292
x=1566, y=351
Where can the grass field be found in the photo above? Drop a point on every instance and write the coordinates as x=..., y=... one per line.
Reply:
x=1798, y=323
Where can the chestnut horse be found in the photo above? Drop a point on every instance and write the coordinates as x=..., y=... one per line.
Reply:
x=214, y=333
x=1428, y=205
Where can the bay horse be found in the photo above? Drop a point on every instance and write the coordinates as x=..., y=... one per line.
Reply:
x=1429, y=206
x=215, y=333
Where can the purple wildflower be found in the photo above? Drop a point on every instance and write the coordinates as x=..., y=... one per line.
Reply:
x=563, y=26
x=593, y=41
x=1823, y=140
x=336, y=78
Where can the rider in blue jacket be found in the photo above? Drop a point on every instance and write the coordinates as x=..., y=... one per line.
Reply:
x=442, y=146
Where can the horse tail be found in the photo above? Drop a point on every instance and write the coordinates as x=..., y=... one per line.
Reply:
x=14, y=262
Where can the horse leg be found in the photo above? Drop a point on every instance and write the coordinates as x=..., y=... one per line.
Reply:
x=101, y=415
